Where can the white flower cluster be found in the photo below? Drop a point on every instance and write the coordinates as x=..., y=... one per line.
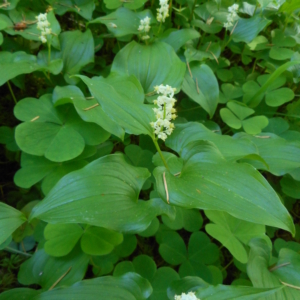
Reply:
x=43, y=25
x=145, y=27
x=189, y=296
x=233, y=10
x=165, y=111
x=163, y=11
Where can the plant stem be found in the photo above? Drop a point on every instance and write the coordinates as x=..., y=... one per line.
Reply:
x=227, y=265
x=160, y=153
x=159, y=28
x=12, y=92
x=49, y=53
x=192, y=12
x=17, y=251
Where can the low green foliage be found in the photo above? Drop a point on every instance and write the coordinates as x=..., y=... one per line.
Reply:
x=151, y=149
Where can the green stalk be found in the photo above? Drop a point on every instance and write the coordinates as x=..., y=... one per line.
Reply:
x=17, y=251
x=160, y=153
x=192, y=12
x=49, y=53
x=12, y=92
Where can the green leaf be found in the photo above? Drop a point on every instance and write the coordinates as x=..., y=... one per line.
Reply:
x=202, y=88
x=61, y=238
x=233, y=233
x=172, y=248
x=161, y=281
x=290, y=187
x=77, y=51
x=16, y=64
x=37, y=168
x=84, y=8
x=189, y=219
x=282, y=156
x=130, y=286
x=144, y=61
x=10, y=220
x=256, y=98
x=122, y=97
x=88, y=110
x=45, y=270
x=248, y=29
x=264, y=276
x=123, y=21
x=219, y=292
x=57, y=133
x=231, y=148
x=290, y=6
x=99, y=241
x=113, y=4
x=236, y=188
x=20, y=293
x=255, y=125
x=87, y=196
x=144, y=266
x=178, y=38
x=279, y=97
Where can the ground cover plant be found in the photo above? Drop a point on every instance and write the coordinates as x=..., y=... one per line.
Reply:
x=151, y=149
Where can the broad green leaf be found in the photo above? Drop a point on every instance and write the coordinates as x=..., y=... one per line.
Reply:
x=206, y=176
x=289, y=6
x=15, y=64
x=282, y=156
x=10, y=220
x=61, y=238
x=105, y=194
x=209, y=50
x=45, y=270
x=37, y=168
x=88, y=110
x=202, y=87
x=247, y=29
x=233, y=233
x=99, y=241
x=57, y=133
x=144, y=62
x=205, y=291
x=113, y=4
x=231, y=148
x=177, y=38
x=263, y=275
x=32, y=32
x=84, y=8
x=123, y=21
x=77, y=51
x=290, y=187
x=19, y=293
x=122, y=97
x=130, y=286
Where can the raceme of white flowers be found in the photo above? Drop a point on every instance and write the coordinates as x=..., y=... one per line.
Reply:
x=43, y=25
x=163, y=11
x=189, y=296
x=165, y=111
x=145, y=27
x=233, y=10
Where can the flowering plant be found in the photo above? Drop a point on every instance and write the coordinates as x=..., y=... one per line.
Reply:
x=151, y=149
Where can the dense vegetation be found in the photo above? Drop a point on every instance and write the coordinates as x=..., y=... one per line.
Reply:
x=151, y=149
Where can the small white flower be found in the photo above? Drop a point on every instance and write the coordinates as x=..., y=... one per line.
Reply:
x=189, y=296
x=145, y=37
x=163, y=11
x=233, y=10
x=165, y=112
x=43, y=39
x=113, y=25
x=43, y=25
